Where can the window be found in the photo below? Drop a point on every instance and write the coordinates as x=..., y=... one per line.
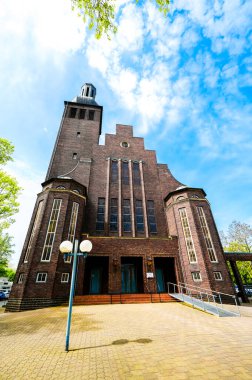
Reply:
x=61, y=187
x=72, y=112
x=100, y=214
x=52, y=226
x=34, y=228
x=87, y=91
x=139, y=216
x=124, y=144
x=196, y=276
x=41, y=277
x=136, y=173
x=114, y=171
x=207, y=236
x=72, y=227
x=218, y=276
x=74, y=156
x=82, y=113
x=188, y=236
x=113, y=214
x=91, y=115
x=125, y=173
x=65, y=277
x=126, y=216
x=20, y=278
x=151, y=217
x=78, y=135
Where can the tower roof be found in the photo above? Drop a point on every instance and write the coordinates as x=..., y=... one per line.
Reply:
x=87, y=95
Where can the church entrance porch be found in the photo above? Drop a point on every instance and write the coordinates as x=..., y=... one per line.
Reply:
x=96, y=275
x=131, y=275
x=165, y=272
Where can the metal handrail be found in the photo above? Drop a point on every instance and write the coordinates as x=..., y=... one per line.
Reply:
x=212, y=291
x=188, y=292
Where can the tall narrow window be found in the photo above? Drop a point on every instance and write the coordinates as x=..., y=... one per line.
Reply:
x=82, y=113
x=113, y=214
x=139, y=216
x=188, y=236
x=151, y=217
x=91, y=115
x=72, y=227
x=34, y=228
x=136, y=173
x=52, y=226
x=125, y=173
x=114, y=171
x=72, y=112
x=100, y=214
x=126, y=216
x=74, y=156
x=207, y=236
x=20, y=278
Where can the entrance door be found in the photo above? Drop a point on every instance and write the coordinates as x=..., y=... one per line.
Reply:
x=95, y=280
x=160, y=280
x=129, y=283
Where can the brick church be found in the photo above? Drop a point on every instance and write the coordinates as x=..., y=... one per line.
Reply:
x=146, y=227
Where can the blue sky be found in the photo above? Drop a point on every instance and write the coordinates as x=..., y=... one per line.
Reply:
x=183, y=82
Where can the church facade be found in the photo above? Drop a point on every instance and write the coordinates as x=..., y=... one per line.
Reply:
x=147, y=228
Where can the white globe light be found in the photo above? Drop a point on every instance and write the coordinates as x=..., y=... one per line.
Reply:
x=66, y=246
x=86, y=246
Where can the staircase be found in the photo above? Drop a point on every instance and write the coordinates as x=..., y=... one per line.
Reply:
x=103, y=299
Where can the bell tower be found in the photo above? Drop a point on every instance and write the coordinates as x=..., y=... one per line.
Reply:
x=79, y=132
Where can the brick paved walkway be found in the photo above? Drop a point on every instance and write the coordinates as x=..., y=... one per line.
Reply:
x=147, y=341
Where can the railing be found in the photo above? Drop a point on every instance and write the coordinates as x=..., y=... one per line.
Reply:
x=211, y=301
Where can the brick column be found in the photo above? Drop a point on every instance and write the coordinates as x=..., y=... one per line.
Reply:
x=132, y=200
x=119, y=197
x=143, y=198
x=107, y=196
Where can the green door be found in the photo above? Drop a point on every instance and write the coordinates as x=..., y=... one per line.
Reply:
x=129, y=283
x=95, y=280
x=160, y=280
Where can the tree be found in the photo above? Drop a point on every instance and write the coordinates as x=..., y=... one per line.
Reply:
x=101, y=14
x=239, y=239
x=9, y=191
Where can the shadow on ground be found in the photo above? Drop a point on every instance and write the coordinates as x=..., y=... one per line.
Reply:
x=28, y=322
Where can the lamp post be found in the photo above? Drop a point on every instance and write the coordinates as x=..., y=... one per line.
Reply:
x=66, y=247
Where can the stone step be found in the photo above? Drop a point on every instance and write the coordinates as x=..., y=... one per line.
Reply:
x=102, y=299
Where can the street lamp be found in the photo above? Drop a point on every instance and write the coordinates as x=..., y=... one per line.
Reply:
x=66, y=247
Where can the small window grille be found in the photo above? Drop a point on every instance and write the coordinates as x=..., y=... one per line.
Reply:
x=41, y=277
x=72, y=112
x=65, y=277
x=100, y=214
x=82, y=113
x=91, y=115
x=125, y=173
x=136, y=173
x=51, y=229
x=139, y=216
x=188, y=236
x=218, y=276
x=196, y=276
x=34, y=228
x=114, y=171
x=126, y=216
x=207, y=236
x=20, y=278
x=151, y=217
x=72, y=227
x=113, y=214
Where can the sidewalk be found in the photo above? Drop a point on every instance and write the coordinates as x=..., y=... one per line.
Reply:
x=143, y=341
